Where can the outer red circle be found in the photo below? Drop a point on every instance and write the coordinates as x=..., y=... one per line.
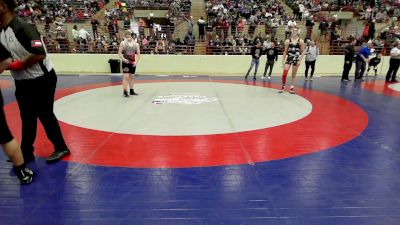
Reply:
x=380, y=87
x=328, y=125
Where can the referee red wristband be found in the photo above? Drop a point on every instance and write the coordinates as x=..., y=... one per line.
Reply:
x=16, y=65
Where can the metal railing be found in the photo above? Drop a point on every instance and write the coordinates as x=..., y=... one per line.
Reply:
x=63, y=46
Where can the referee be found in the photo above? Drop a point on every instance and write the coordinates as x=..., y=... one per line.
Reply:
x=35, y=81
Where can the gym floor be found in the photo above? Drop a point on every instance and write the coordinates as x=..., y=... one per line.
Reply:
x=199, y=150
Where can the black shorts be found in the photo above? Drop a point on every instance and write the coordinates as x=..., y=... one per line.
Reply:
x=128, y=68
x=5, y=134
x=292, y=60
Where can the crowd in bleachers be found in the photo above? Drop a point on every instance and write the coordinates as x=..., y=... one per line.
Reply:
x=42, y=11
x=240, y=44
x=364, y=9
x=104, y=33
x=177, y=9
x=154, y=4
x=235, y=14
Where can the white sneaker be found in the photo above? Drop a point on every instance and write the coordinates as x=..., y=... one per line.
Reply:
x=306, y=79
x=262, y=78
x=311, y=79
x=269, y=77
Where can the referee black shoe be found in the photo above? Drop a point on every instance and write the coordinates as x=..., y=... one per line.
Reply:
x=57, y=155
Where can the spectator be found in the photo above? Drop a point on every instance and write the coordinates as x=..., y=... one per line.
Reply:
x=272, y=56
x=201, y=24
x=309, y=27
x=61, y=38
x=75, y=33
x=95, y=23
x=312, y=53
x=84, y=38
x=241, y=25
x=371, y=30
x=189, y=39
x=115, y=25
x=379, y=17
x=366, y=32
x=190, y=24
x=113, y=47
x=127, y=23
x=145, y=42
x=256, y=52
x=334, y=35
x=160, y=47
x=274, y=26
x=323, y=27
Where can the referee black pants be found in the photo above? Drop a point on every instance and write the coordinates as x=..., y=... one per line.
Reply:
x=346, y=70
x=35, y=99
x=393, y=67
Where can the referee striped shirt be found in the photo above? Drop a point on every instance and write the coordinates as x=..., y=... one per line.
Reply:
x=20, y=39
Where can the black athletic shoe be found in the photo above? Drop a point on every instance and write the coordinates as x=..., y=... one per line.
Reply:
x=394, y=81
x=282, y=90
x=25, y=175
x=57, y=155
x=132, y=92
x=126, y=94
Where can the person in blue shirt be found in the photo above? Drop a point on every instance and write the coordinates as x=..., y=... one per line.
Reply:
x=362, y=59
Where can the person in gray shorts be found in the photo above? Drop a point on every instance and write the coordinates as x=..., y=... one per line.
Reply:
x=128, y=50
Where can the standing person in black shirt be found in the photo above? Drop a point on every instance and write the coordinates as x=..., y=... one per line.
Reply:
x=349, y=53
x=255, y=52
x=201, y=24
x=95, y=23
x=272, y=57
x=35, y=81
x=374, y=62
x=127, y=23
x=309, y=27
